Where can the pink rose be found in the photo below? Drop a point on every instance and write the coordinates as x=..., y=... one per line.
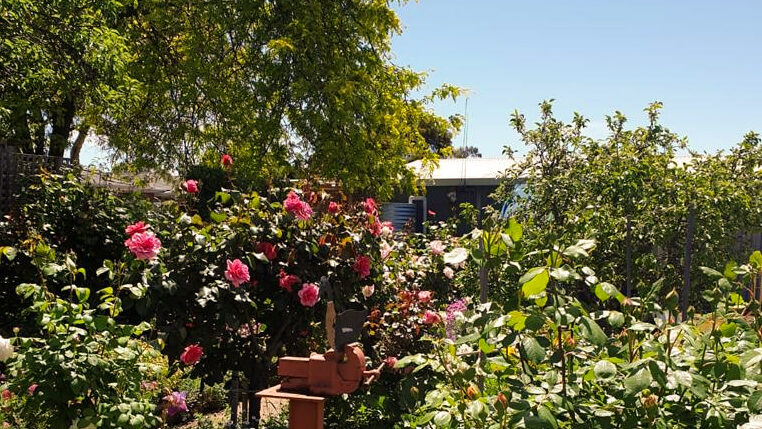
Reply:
x=367, y=291
x=448, y=272
x=237, y=272
x=6, y=395
x=296, y=207
x=191, y=186
x=362, y=266
x=268, y=249
x=437, y=247
x=370, y=206
x=425, y=295
x=430, y=317
x=136, y=227
x=374, y=229
x=32, y=388
x=333, y=207
x=309, y=294
x=144, y=245
x=227, y=160
x=191, y=354
x=287, y=281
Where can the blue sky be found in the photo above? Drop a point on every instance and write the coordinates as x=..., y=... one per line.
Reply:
x=702, y=59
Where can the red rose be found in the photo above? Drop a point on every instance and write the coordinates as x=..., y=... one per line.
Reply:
x=227, y=160
x=268, y=249
x=287, y=281
x=370, y=206
x=31, y=389
x=362, y=266
x=192, y=354
x=333, y=208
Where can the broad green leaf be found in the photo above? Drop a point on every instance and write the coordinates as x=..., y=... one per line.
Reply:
x=637, y=382
x=756, y=260
x=536, y=284
x=590, y=330
x=442, y=419
x=534, y=351
x=604, y=369
x=515, y=230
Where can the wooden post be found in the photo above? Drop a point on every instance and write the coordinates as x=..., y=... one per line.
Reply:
x=234, y=401
x=304, y=411
x=686, y=293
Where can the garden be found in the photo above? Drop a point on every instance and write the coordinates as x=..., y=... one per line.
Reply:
x=615, y=283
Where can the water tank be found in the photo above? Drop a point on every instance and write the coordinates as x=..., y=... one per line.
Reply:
x=399, y=214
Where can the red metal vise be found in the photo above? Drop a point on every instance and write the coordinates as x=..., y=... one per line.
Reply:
x=332, y=373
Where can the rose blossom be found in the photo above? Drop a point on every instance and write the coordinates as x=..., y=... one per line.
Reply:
x=6, y=395
x=191, y=186
x=374, y=228
x=430, y=317
x=6, y=349
x=367, y=291
x=227, y=160
x=136, y=227
x=448, y=272
x=370, y=206
x=287, y=281
x=144, y=245
x=309, y=294
x=176, y=403
x=362, y=266
x=437, y=247
x=237, y=272
x=425, y=295
x=268, y=249
x=32, y=388
x=296, y=207
x=386, y=250
x=191, y=354
x=387, y=229
x=333, y=207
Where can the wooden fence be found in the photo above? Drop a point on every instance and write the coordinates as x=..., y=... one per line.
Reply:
x=14, y=165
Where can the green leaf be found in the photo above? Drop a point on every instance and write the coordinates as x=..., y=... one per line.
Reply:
x=592, y=331
x=756, y=259
x=730, y=270
x=604, y=369
x=755, y=402
x=534, y=351
x=9, y=252
x=616, y=319
x=485, y=347
x=536, y=283
x=442, y=419
x=218, y=217
x=637, y=382
x=515, y=230
x=711, y=272
x=545, y=414
x=478, y=410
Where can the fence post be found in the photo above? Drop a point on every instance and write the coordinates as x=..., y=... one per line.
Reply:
x=685, y=295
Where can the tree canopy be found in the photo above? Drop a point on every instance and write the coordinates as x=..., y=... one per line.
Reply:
x=297, y=89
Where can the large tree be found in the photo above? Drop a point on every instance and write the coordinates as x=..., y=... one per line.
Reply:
x=291, y=88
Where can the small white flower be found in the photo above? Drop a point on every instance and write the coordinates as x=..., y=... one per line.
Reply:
x=185, y=219
x=6, y=349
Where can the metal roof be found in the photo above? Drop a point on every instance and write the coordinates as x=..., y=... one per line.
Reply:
x=463, y=171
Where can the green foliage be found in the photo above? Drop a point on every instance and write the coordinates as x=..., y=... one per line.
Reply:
x=83, y=368
x=577, y=365
x=634, y=194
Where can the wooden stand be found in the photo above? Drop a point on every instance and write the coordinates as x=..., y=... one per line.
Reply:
x=304, y=411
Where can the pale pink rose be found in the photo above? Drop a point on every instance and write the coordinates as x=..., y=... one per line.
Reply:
x=437, y=247
x=410, y=273
x=387, y=229
x=430, y=317
x=386, y=250
x=362, y=266
x=448, y=272
x=425, y=295
x=367, y=291
x=136, y=227
x=237, y=272
x=309, y=294
x=191, y=186
x=144, y=245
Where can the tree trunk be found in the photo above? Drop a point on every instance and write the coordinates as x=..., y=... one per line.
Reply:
x=62, y=120
x=76, y=148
